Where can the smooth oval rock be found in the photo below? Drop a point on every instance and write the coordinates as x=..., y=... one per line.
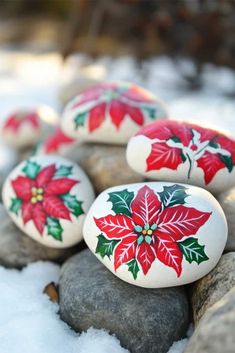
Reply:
x=144, y=320
x=48, y=197
x=227, y=202
x=156, y=234
x=111, y=112
x=184, y=152
x=25, y=126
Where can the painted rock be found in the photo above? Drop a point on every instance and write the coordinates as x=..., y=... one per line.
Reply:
x=25, y=127
x=47, y=197
x=156, y=234
x=184, y=152
x=57, y=143
x=111, y=112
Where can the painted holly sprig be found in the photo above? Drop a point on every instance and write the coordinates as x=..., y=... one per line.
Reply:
x=174, y=144
x=43, y=197
x=151, y=226
x=118, y=100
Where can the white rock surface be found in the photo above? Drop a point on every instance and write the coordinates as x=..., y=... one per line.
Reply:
x=184, y=152
x=111, y=112
x=47, y=197
x=156, y=234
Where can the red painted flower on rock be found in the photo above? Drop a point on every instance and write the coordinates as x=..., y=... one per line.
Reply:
x=175, y=143
x=117, y=100
x=15, y=121
x=151, y=226
x=57, y=140
x=43, y=197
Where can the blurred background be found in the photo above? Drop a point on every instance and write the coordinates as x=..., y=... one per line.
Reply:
x=182, y=50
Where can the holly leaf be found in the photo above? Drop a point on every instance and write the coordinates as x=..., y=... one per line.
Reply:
x=31, y=169
x=133, y=267
x=54, y=228
x=175, y=139
x=152, y=112
x=15, y=205
x=192, y=250
x=80, y=119
x=73, y=204
x=63, y=171
x=121, y=201
x=105, y=246
x=227, y=160
x=173, y=195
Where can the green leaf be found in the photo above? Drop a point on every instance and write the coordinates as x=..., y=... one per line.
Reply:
x=73, y=204
x=152, y=112
x=105, y=246
x=54, y=228
x=121, y=201
x=31, y=169
x=183, y=156
x=63, y=171
x=133, y=267
x=15, y=205
x=175, y=139
x=227, y=160
x=173, y=195
x=80, y=119
x=192, y=250
x=212, y=143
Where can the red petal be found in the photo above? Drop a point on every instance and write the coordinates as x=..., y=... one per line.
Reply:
x=26, y=210
x=34, y=119
x=125, y=251
x=117, y=112
x=39, y=217
x=88, y=95
x=145, y=256
x=53, y=143
x=45, y=175
x=227, y=144
x=211, y=164
x=145, y=207
x=169, y=254
x=60, y=186
x=117, y=226
x=55, y=207
x=163, y=156
x=96, y=116
x=138, y=94
x=159, y=130
x=22, y=187
x=181, y=131
x=181, y=221
x=135, y=114
x=12, y=123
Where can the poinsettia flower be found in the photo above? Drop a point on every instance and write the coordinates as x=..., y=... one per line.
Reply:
x=151, y=231
x=56, y=140
x=174, y=143
x=16, y=120
x=41, y=196
x=116, y=100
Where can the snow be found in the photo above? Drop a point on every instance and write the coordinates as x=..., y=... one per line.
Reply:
x=29, y=321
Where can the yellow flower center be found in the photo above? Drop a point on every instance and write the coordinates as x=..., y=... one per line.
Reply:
x=37, y=195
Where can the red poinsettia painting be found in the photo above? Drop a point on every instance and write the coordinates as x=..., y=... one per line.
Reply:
x=118, y=101
x=149, y=227
x=175, y=143
x=43, y=197
x=56, y=141
x=15, y=121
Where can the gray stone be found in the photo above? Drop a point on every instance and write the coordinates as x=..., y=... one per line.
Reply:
x=9, y=158
x=227, y=202
x=145, y=320
x=105, y=165
x=211, y=288
x=17, y=249
x=215, y=332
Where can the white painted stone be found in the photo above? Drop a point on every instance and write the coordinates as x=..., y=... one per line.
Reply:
x=111, y=112
x=183, y=152
x=8, y=159
x=24, y=126
x=48, y=197
x=156, y=234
